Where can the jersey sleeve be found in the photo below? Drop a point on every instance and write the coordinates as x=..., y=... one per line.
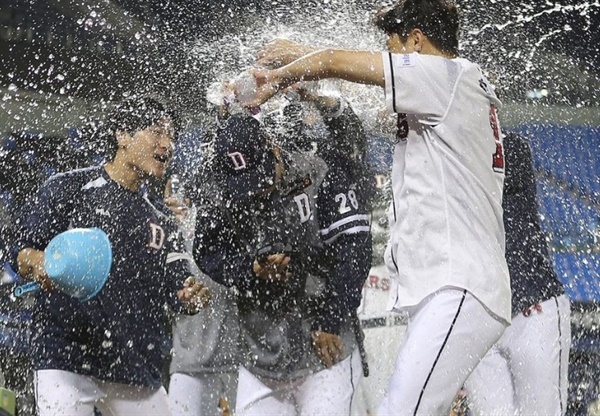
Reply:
x=345, y=230
x=343, y=125
x=532, y=275
x=519, y=173
x=217, y=251
x=46, y=216
x=418, y=84
x=341, y=207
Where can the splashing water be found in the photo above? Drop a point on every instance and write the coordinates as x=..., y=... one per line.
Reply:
x=333, y=23
x=514, y=43
x=529, y=46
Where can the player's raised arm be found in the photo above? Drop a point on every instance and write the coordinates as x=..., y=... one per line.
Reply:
x=363, y=67
x=280, y=52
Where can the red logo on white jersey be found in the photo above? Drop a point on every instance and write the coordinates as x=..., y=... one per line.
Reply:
x=498, y=156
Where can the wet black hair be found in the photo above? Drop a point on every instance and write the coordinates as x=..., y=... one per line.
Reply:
x=134, y=114
x=439, y=20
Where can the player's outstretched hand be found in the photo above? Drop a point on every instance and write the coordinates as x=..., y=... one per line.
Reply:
x=194, y=295
x=31, y=266
x=273, y=268
x=267, y=85
x=328, y=347
x=280, y=52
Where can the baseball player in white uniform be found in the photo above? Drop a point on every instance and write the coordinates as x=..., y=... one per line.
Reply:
x=446, y=245
x=526, y=372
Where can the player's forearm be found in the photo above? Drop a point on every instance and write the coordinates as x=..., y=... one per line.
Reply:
x=227, y=268
x=344, y=284
x=355, y=66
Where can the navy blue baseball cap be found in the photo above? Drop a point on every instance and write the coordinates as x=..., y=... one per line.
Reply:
x=244, y=161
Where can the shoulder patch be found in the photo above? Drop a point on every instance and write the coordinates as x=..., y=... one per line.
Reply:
x=406, y=60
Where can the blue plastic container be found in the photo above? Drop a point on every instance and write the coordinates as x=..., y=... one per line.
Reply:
x=78, y=263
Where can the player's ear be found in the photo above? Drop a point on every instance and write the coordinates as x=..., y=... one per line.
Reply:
x=122, y=137
x=418, y=37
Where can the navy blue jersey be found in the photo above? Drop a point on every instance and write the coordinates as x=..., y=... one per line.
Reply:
x=344, y=220
x=344, y=207
x=532, y=276
x=231, y=235
x=121, y=335
x=274, y=315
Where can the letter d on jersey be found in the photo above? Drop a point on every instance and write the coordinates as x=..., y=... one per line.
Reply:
x=238, y=160
x=157, y=236
x=303, y=207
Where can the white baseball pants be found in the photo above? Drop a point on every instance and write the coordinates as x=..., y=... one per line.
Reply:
x=328, y=392
x=448, y=333
x=526, y=372
x=199, y=394
x=62, y=393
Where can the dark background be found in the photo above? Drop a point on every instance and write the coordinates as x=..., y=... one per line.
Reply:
x=96, y=50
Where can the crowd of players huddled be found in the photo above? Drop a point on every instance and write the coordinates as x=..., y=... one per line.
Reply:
x=210, y=355
x=270, y=215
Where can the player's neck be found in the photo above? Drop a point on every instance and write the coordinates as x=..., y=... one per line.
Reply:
x=429, y=49
x=123, y=174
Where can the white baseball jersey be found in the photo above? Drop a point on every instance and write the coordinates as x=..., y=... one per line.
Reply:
x=446, y=227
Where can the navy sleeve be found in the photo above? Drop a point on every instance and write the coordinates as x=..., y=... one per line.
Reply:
x=345, y=126
x=350, y=256
x=47, y=215
x=519, y=175
x=217, y=251
x=345, y=230
x=342, y=205
x=529, y=264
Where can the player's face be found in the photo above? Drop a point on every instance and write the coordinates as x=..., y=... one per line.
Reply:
x=150, y=150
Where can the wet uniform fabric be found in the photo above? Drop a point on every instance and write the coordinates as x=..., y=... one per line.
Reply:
x=121, y=335
x=307, y=219
x=446, y=248
x=273, y=316
x=344, y=207
x=328, y=241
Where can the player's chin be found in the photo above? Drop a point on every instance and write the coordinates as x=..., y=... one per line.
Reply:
x=157, y=169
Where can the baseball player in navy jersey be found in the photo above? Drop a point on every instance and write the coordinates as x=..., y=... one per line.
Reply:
x=525, y=373
x=264, y=240
x=344, y=209
x=446, y=246
x=110, y=352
